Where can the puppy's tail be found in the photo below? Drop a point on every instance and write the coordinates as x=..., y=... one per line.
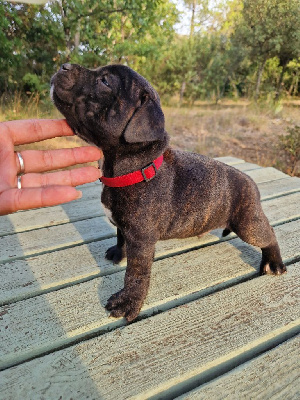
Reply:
x=226, y=232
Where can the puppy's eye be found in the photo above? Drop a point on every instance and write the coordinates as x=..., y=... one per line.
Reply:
x=104, y=81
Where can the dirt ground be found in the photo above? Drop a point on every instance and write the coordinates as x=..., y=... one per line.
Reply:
x=242, y=130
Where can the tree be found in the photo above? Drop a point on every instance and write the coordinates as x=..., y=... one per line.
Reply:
x=35, y=40
x=269, y=28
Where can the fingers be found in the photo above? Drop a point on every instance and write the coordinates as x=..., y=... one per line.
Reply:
x=41, y=161
x=73, y=177
x=35, y=130
x=23, y=199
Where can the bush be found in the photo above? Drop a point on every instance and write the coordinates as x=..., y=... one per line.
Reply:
x=291, y=144
x=32, y=83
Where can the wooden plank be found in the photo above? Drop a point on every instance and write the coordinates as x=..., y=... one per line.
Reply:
x=169, y=353
x=44, y=217
x=282, y=209
x=265, y=174
x=51, y=320
x=229, y=160
x=269, y=190
x=270, y=376
x=54, y=237
x=24, y=278
x=245, y=166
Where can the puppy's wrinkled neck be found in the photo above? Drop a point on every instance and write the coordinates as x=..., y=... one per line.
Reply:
x=127, y=158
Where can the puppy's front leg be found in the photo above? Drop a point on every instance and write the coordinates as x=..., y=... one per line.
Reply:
x=128, y=301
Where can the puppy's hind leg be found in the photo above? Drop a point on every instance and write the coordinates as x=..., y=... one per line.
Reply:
x=254, y=228
x=118, y=252
x=271, y=262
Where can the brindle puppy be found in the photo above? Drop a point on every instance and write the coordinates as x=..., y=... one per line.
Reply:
x=117, y=110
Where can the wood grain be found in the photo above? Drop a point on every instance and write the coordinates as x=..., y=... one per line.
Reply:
x=208, y=317
x=280, y=187
x=274, y=375
x=230, y=160
x=54, y=237
x=265, y=174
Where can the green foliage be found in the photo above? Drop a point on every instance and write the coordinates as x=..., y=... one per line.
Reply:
x=268, y=29
x=291, y=144
x=38, y=39
x=32, y=83
x=234, y=48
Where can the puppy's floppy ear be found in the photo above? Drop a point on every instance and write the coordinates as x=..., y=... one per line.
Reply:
x=147, y=122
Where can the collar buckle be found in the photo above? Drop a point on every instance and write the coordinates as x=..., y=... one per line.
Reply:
x=146, y=168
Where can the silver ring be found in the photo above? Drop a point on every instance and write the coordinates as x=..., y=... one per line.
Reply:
x=21, y=161
x=19, y=183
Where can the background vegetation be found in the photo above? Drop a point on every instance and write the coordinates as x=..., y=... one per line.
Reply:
x=235, y=63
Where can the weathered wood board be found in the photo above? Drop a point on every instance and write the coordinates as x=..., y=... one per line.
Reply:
x=54, y=237
x=245, y=166
x=230, y=160
x=274, y=375
x=279, y=187
x=57, y=215
x=168, y=353
x=265, y=174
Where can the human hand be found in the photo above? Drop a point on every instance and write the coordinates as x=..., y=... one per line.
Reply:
x=41, y=190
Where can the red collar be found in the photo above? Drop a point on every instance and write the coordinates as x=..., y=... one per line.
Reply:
x=145, y=174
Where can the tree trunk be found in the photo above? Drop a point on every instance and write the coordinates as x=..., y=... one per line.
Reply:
x=258, y=79
x=77, y=36
x=193, y=18
x=235, y=90
x=221, y=94
x=279, y=86
x=182, y=90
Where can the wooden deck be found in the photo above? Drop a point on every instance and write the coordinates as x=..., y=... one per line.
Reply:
x=211, y=328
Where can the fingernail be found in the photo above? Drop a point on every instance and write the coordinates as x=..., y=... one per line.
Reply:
x=79, y=194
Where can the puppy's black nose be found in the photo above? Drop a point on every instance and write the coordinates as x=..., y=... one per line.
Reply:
x=66, y=67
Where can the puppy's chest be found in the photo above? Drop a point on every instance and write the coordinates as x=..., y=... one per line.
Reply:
x=107, y=206
x=108, y=213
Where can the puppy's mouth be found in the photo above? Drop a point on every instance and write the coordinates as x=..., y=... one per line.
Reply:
x=61, y=88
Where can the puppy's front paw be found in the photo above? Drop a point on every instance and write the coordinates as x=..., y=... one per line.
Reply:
x=272, y=268
x=122, y=304
x=115, y=254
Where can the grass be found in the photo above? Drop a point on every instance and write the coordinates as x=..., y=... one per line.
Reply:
x=240, y=129
x=253, y=132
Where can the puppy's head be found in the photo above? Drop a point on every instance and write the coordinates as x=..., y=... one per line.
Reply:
x=109, y=106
